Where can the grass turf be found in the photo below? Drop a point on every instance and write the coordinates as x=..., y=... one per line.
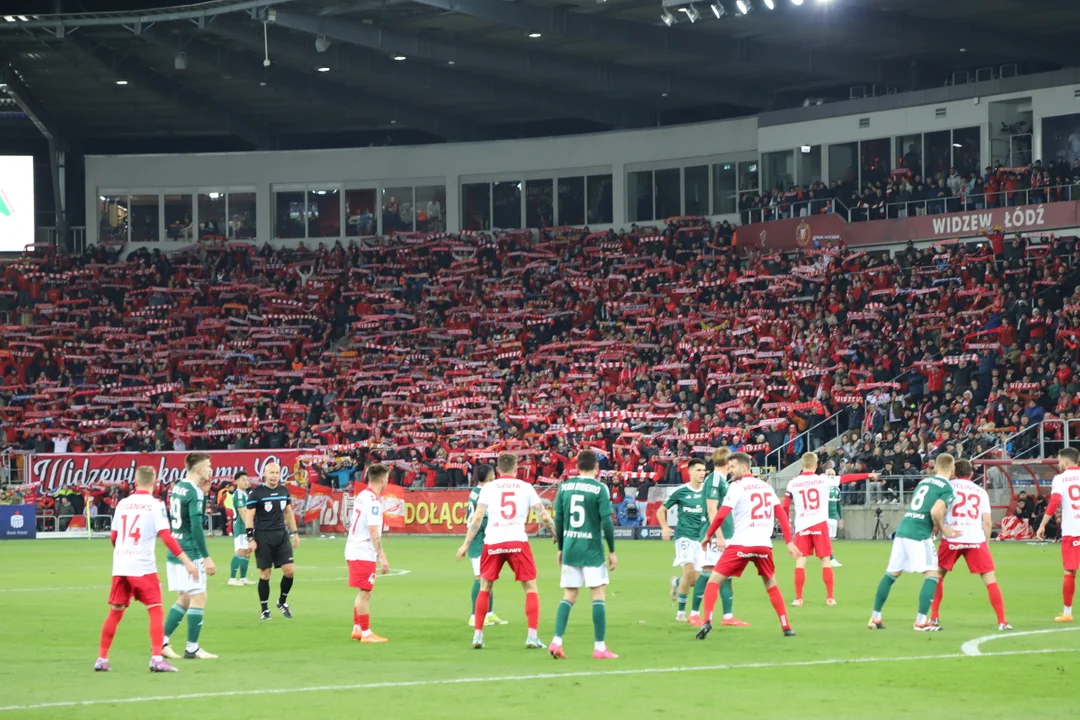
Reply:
x=52, y=603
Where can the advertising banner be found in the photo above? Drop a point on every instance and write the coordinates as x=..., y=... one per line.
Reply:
x=800, y=233
x=18, y=522
x=77, y=470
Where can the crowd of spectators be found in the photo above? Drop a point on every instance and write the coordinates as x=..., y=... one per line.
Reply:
x=906, y=193
x=434, y=352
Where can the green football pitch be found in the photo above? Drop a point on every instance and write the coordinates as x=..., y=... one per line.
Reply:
x=52, y=603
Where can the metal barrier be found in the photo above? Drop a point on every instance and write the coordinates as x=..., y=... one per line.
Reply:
x=910, y=208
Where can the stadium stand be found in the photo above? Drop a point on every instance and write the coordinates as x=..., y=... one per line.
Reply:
x=435, y=351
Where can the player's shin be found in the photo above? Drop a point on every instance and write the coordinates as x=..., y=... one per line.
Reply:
x=264, y=593
x=828, y=577
x=157, y=630
x=483, y=599
x=883, y=589
x=935, y=606
x=286, y=586
x=562, y=617
x=176, y=616
x=599, y=621
x=475, y=592
x=777, y=600
x=108, y=632
x=727, y=598
x=997, y=602
x=532, y=612
x=234, y=566
x=926, y=597
x=1068, y=591
x=800, y=582
x=194, y=628
x=712, y=592
x=699, y=591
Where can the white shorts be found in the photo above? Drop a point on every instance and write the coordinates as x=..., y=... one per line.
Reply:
x=240, y=542
x=687, y=551
x=832, y=527
x=475, y=566
x=708, y=557
x=912, y=556
x=181, y=582
x=591, y=577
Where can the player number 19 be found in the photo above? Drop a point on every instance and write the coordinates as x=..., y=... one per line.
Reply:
x=811, y=500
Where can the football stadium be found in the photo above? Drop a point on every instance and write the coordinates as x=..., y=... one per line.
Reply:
x=598, y=358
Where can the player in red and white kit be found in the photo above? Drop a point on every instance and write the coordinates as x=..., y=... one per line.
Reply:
x=363, y=549
x=506, y=542
x=138, y=521
x=1065, y=494
x=969, y=514
x=808, y=492
x=752, y=503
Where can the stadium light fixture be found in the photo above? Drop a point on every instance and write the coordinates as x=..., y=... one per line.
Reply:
x=121, y=82
x=743, y=5
x=324, y=69
x=796, y=2
x=718, y=9
x=771, y=4
x=691, y=13
x=667, y=17
x=321, y=43
x=535, y=35
x=399, y=58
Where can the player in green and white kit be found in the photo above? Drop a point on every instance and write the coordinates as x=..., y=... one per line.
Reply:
x=836, y=516
x=187, y=508
x=238, y=570
x=484, y=473
x=716, y=487
x=689, y=529
x=913, y=547
x=582, y=526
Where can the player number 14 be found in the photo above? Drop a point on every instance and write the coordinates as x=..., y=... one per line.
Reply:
x=135, y=534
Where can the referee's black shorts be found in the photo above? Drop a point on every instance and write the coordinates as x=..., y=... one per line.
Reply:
x=273, y=549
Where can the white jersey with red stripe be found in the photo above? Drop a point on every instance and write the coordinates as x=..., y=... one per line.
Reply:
x=137, y=521
x=965, y=513
x=809, y=493
x=1067, y=486
x=752, y=504
x=366, y=514
x=508, y=502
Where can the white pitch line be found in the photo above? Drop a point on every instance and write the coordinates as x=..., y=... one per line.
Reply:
x=394, y=572
x=511, y=678
x=971, y=647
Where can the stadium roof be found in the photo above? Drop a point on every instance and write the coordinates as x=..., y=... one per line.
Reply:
x=483, y=69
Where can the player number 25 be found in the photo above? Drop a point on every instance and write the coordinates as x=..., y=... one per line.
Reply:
x=577, y=511
x=762, y=508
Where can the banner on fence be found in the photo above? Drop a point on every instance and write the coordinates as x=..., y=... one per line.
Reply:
x=59, y=470
x=18, y=522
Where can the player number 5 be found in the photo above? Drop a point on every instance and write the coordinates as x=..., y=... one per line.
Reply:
x=508, y=508
x=577, y=511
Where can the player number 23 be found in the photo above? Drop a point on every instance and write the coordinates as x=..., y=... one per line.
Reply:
x=972, y=502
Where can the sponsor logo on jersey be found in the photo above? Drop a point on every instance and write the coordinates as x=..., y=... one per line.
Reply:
x=283, y=503
x=751, y=555
x=268, y=506
x=965, y=546
x=503, y=551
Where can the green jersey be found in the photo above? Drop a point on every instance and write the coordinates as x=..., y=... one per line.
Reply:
x=836, y=510
x=917, y=523
x=477, y=546
x=240, y=498
x=716, y=486
x=187, y=507
x=583, y=522
x=693, y=518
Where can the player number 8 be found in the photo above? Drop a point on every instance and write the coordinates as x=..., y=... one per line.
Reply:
x=920, y=497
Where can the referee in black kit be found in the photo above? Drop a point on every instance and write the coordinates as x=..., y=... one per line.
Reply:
x=271, y=533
